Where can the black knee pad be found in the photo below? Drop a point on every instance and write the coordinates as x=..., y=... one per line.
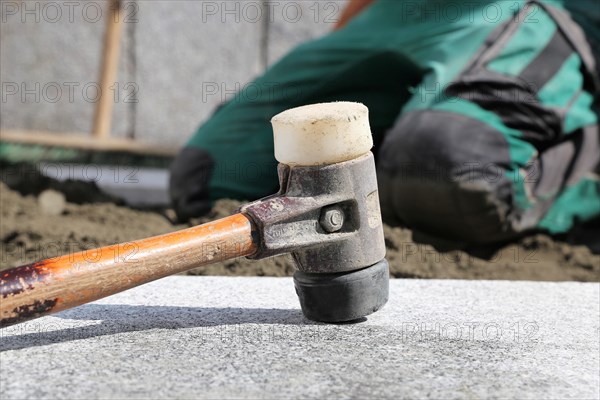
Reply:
x=444, y=174
x=188, y=185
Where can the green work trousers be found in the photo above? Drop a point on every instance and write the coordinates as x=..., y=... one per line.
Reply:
x=484, y=117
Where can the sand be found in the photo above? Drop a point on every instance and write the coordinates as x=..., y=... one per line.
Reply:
x=44, y=224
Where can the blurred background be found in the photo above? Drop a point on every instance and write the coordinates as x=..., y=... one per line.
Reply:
x=97, y=96
x=177, y=60
x=123, y=84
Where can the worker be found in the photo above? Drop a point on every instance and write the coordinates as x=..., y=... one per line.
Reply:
x=484, y=115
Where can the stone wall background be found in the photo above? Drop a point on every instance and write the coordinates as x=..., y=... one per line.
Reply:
x=179, y=59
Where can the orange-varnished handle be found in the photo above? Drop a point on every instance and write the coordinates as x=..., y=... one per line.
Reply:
x=56, y=284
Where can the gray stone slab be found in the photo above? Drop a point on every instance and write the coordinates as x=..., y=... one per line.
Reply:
x=293, y=22
x=50, y=66
x=192, y=55
x=227, y=337
x=181, y=58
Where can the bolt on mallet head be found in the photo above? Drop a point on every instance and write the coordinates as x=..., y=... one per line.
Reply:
x=326, y=213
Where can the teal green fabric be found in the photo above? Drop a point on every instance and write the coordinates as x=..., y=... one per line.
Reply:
x=529, y=40
x=396, y=57
x=580, y=201
x=555, y=93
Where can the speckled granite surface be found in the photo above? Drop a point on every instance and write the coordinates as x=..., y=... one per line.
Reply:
x=221, y=337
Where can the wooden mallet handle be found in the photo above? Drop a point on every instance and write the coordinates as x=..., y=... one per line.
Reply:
x=108, y=74
x=56, y=284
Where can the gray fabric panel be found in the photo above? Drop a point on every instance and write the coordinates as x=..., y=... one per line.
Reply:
x=588, y=157
x=551, y=168
x=578, y=40
x=566, y=163
x=444, y=174
x=556, y=168
x=442, y=142
x=497, y=40
x=548, y=62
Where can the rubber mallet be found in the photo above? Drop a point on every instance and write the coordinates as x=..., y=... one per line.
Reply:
x=326, y=214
